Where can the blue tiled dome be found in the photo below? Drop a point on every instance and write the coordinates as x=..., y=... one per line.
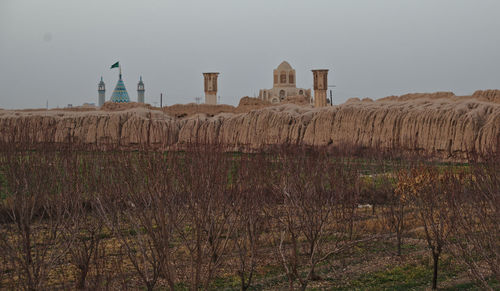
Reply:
x=120, y=94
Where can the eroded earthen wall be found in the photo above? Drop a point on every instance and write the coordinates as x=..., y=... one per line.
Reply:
x=445, y=126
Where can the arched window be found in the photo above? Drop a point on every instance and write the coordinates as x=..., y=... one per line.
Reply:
x=283, y=78
x=291, y=78
x=264, y=94
x=301, y=92
x=282, y=94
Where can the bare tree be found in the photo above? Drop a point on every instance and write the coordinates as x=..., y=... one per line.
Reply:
x=84, y=226
x=318, y=200
x=396, y=206
x=205, y=194
x=157, y=212
x=133, y=209
x=31, y=239
x=431, y=191
x=476, y=234
x=253, y=192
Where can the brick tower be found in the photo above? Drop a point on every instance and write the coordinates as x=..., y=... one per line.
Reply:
x=210, y=88
x=320, y=87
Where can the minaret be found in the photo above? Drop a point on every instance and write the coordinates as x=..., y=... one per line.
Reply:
x=320, y=87
x=210, y=88
x=101, y=88
x=140, y=91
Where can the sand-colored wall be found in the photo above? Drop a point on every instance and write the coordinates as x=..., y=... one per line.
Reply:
x=440, y=123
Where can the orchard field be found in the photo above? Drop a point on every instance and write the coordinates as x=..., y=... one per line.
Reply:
x=205, y=219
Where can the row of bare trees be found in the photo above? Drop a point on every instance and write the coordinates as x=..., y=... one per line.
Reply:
x=92, y=220
x=458, y=210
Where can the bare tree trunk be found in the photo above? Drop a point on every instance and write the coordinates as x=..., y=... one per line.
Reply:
x=435, y=257
x=82, y=278
x=398, y=235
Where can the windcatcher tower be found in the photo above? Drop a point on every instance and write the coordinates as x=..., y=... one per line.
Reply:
x=140, y=91
x=120, y=94
x=210, y=88
x=101, y=89
x=320, y=87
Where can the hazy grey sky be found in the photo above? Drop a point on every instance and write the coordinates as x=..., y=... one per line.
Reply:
x=58, y=49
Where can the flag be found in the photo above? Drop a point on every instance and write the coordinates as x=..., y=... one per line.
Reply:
x=115, y=65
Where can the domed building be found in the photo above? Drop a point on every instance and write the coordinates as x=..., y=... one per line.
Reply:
x=283, y=85
x=120, y=94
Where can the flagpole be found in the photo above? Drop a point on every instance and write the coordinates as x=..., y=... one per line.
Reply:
x=120, y=67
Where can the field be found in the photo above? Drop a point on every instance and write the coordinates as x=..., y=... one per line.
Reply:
x=292, y=218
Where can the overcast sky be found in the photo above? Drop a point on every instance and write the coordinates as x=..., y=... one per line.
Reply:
x=57, y=50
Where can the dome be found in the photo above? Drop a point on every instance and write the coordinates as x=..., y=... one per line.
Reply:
x=284, y=66
x=120, y=94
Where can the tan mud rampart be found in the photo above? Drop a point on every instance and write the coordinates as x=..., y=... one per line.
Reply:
x=441, y=124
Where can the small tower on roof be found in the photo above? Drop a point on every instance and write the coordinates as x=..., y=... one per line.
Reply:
x=120, y=94
x=101, y=89
x=140, y=91
x=320, y=86
x=210, y=86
